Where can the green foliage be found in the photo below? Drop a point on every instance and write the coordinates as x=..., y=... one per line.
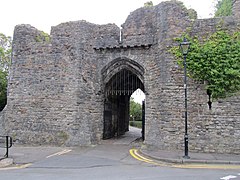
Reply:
x=135, y=110
x=215, y=61
x=42, y=37
x=148, y=4
x=5, y=61
x=137, y=124
x=3, y=89
x=62, y=137
x=223, y=8
x=5, y=52
x=192, y=13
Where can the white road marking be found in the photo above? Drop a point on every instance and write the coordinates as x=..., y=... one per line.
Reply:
x=60, y=153
x=228, y=177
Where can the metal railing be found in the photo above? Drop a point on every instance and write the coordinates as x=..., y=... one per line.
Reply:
x=6, y=142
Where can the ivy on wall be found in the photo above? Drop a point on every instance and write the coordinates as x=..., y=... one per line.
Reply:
x=216, y=61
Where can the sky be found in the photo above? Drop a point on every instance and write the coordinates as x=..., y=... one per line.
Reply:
x=46, y=13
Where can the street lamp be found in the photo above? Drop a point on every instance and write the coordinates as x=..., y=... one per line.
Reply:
x=184, y=47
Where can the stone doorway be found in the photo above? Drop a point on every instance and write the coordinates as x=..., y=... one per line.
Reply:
x=118, y=90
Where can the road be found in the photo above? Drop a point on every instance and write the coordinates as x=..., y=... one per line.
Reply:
x=109, y=160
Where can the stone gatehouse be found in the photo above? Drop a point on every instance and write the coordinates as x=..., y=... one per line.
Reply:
x=73, y=87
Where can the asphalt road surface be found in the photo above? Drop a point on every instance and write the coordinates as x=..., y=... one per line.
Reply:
x=109, y=160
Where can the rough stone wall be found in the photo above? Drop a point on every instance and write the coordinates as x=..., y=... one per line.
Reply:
x=215, y=130
x=236, y=8
x=56, y=88
x=49, y=85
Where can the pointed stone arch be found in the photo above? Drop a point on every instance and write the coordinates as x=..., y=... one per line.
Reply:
x=119, y=64
x=121, y=77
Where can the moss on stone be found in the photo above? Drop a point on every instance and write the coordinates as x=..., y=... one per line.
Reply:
x=42, y=37
x=62, y=136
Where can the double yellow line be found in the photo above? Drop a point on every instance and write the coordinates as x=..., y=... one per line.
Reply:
x=135, y=154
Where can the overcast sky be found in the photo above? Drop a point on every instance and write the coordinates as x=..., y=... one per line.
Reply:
x=46, y=13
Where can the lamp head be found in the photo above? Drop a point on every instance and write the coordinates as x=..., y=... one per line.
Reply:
x=184, y=46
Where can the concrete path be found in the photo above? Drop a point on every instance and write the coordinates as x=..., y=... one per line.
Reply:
x=200, y=158
x=129, y=137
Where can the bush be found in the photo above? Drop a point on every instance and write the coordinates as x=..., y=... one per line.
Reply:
x=137, y=124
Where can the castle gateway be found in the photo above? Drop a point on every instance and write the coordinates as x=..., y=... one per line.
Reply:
x=74, y=87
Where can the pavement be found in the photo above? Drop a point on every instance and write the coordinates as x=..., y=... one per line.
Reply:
x=23, y=155
x=197, y=158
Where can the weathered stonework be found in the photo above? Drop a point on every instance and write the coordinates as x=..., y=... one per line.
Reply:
x=57, y=87
x=236, y=8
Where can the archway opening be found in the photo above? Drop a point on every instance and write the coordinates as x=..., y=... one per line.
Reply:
x=118, y=91
x=137, y=111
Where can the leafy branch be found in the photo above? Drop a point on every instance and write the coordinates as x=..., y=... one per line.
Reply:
x=215, y=61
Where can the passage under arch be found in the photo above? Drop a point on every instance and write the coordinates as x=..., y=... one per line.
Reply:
x=121, y=78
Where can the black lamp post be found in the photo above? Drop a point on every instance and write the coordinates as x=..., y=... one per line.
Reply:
x=184, y=47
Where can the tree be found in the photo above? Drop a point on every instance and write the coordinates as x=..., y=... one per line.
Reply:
x=5, y=52
x=3, y=89
x=135, y=110
x=5, y=61
x=223, y=8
